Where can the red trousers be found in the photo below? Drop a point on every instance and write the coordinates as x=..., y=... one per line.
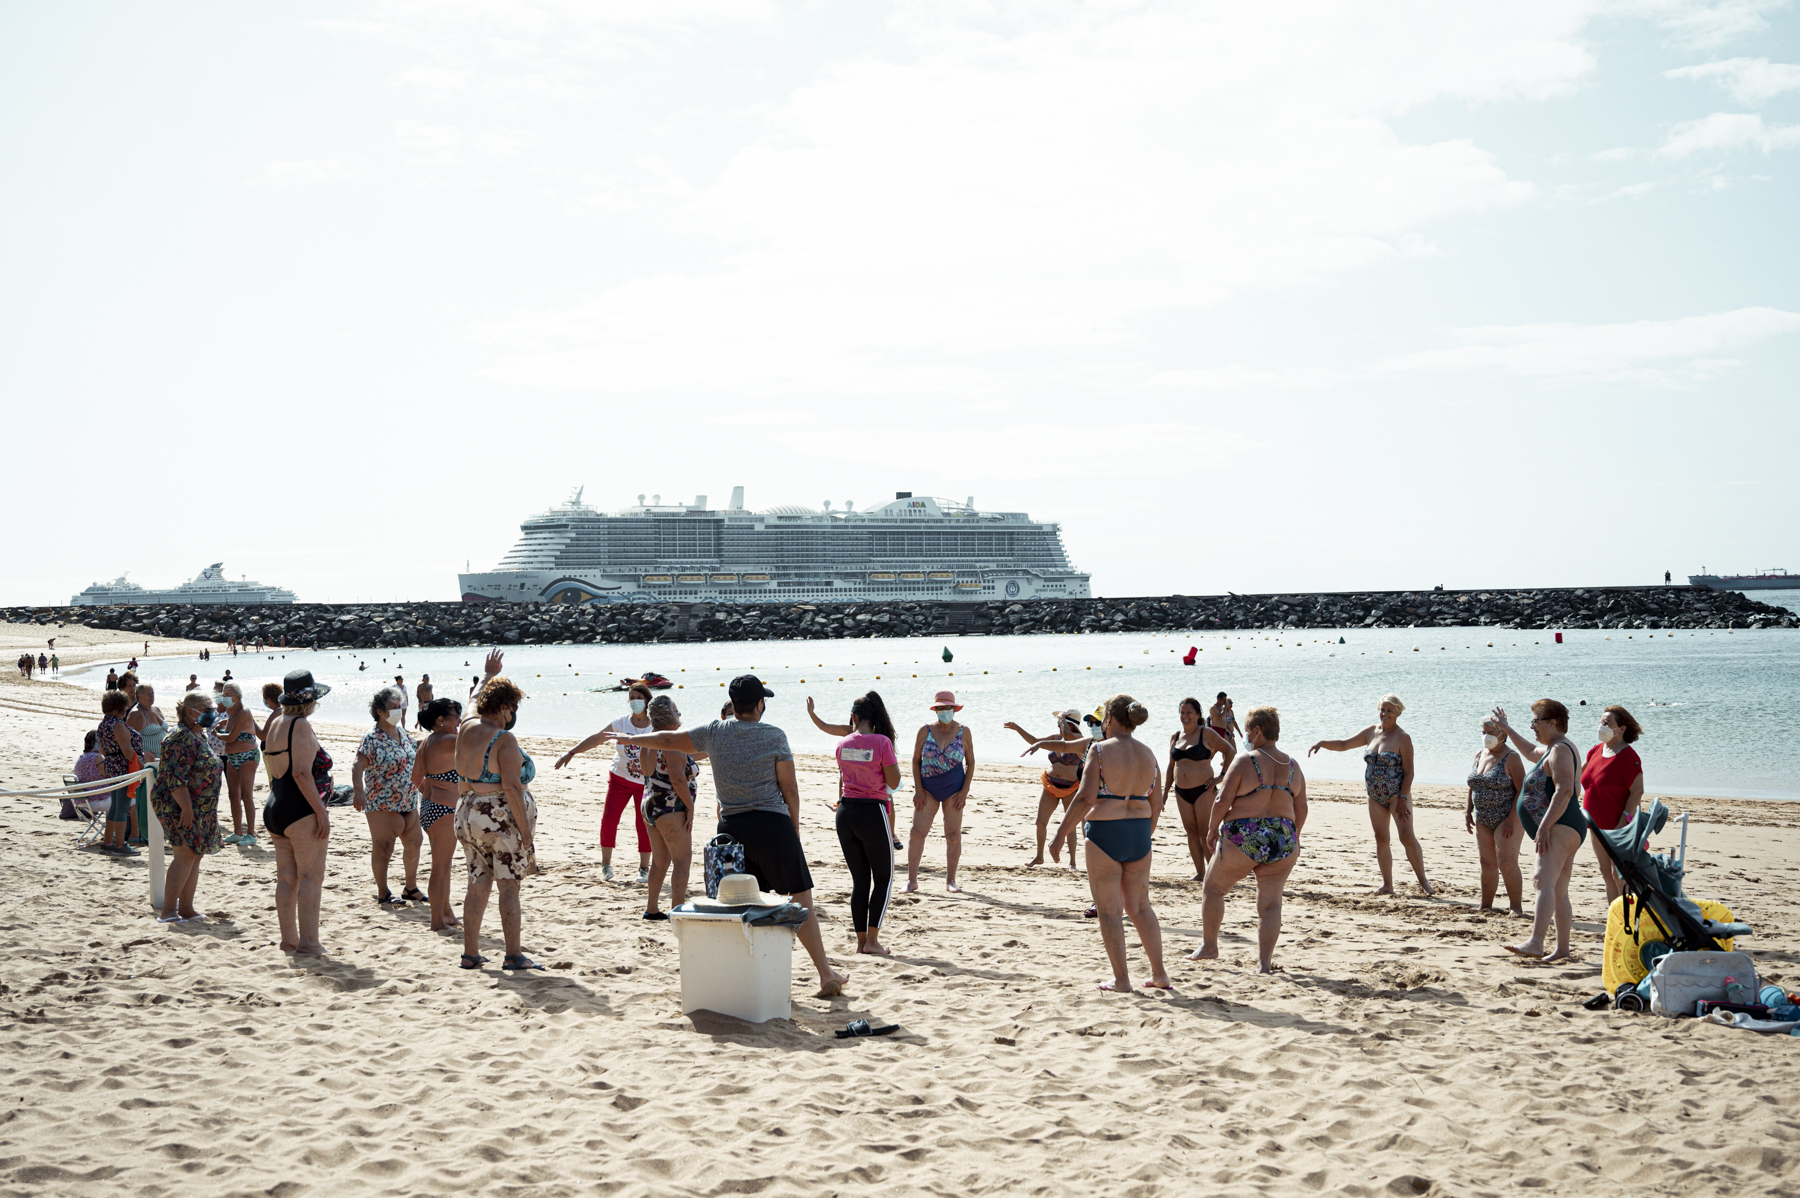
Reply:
x=622, y=793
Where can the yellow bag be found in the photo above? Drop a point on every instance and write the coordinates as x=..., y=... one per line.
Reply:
x=1629, y=955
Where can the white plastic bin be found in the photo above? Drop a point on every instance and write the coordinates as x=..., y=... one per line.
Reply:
x=732, y=968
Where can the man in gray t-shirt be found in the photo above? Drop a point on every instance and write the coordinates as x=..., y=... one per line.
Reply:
x=759, y=801
x=744, y=756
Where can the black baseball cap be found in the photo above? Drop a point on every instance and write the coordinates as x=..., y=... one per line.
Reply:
x=746, y=689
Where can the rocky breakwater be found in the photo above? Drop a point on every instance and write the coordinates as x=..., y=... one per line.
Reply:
x=392, y=625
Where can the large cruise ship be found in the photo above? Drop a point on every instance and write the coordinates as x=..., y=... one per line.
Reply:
x=208, y=586
x=1767, y=580
x=915, y=547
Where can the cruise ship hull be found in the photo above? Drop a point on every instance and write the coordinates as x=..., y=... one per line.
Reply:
x=1750, y=582
x=550, y=586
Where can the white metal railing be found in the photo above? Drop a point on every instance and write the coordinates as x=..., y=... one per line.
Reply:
x=152, y=830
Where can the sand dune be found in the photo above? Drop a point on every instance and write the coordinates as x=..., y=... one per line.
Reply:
x=1399, y=1051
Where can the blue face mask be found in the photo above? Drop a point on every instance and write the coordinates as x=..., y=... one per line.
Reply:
x=204, y=719
x=945, y=717
x=224, y=700
x=637, y=706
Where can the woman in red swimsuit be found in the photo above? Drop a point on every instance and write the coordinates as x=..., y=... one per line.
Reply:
x=1612, y=785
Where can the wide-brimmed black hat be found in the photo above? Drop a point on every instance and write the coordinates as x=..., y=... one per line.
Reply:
x=298, y=688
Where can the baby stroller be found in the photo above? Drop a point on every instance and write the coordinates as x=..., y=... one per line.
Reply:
x=1652, y=883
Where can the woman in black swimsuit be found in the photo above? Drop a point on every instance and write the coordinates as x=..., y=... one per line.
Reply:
x=1190, y=776
x=295, y=816
x=1061, y=780
x=435, y=778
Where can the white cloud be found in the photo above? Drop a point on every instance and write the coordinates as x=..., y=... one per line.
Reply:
x=1724, y=131
x=437, y=145
x=1702, y=23
x=1751, y=81
x=301, y=173
x=1655, y=352
x=506, y=143
x=1047, y=189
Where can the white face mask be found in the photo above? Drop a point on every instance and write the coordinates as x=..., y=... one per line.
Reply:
x=1099, y=731
x=397, y=715
x=637, y=706
x=1607, y=734
x=1491, y=741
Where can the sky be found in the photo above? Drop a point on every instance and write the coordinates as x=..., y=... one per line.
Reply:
x=1271, y=297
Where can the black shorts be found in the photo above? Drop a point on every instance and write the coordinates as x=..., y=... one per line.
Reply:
x=771, y=850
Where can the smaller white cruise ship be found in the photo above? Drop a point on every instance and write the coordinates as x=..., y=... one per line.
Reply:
x=209, y=586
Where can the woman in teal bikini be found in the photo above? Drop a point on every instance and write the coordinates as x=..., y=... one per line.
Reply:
x=1388, y=775
x=1550, y=810
x=238, y=735
x=1120, y=799
x=1256, y=824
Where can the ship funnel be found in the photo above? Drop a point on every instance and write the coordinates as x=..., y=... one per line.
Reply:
x=700, y=503
x=737, y=499
x=849, y=505
x=656, y=501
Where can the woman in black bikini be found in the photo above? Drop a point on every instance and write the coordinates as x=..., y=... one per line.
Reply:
x=1255, y=828
x=1190, y=776
x=1061, y=780
x=435, y=778
x=295, y=816
x=1120, y=798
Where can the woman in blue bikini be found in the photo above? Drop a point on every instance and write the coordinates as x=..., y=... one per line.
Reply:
x=1117, y=807
x=1256, y=825
x=1388, y=775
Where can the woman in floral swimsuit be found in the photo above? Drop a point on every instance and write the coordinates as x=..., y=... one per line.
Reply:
x=382, y=777
x=186, y=802
x=1256, y=824
x=1388, y=776
x=668, y=810
x=1494, y=782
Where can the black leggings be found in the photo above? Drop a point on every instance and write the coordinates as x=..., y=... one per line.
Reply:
x=868, y=844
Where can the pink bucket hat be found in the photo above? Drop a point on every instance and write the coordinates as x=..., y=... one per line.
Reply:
x=946, y=699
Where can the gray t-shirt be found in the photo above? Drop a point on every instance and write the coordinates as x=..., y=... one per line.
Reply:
x=743, y=754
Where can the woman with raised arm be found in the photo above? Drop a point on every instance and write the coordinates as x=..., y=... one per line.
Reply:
x=1612, y=786
x=1254, y=829
x=624, y=783
x=1190, y=776
x=943, y=767
x=435, y=779
x=1062, y=779
x=295, y=817
x=1552, y=817
x=1492, y=815
x=867, y=767
x=1120, y=800
x=668, y=810
x=496, y=818
x=1388, y=776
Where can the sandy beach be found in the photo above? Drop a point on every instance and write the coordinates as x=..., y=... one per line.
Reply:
x=1398, y=1051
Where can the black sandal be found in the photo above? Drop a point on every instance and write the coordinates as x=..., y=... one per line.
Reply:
x=411, y=894
x=656, y=915
x=469, y=962
x=519, y=962
x=386, y=899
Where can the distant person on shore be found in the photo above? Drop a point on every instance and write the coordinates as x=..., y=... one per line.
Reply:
x=624, y=783
x=943, y=768
x=1190, y=776
x=382, y=778
x=1388, y=777
x=43, y=663
x=1119, y=800
x=496, y=818
x=1061, y=779
x=1550, y=812
x=1256, y=826
x=868, y=767
x=405, y=699
x=55, y=664
x=238, y=735
x=112, y=677
x=436, y=780
x=668, y=811
x=1612, y=786
x=1495, y=779
x=425, y=693
x=121, y=754
x=186, y=802
x=193, y=682
x=753, y=775
x=295, y=816
x=1222, y=719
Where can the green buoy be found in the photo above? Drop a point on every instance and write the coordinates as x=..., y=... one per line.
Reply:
x=1340, y=640
x=948, y=656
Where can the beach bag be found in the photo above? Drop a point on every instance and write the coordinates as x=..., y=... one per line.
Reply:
x=1634, y=939
x=724, y=855
x=1679, y=980
x=68, y=809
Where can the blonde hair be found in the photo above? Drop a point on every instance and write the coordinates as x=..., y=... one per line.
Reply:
x=1265, y=720
x=1399, y=707
x=299, y=709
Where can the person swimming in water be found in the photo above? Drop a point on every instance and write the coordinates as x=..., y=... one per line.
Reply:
x=1119, y=800
x=1388, y=777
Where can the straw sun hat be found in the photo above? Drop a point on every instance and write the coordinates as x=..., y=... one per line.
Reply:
x=739, y=890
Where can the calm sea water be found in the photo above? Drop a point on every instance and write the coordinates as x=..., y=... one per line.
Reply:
x=1716, y=707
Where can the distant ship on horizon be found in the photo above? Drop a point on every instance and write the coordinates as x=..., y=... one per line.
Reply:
x=1771, y=579
x=912, y=547
x=208, y=586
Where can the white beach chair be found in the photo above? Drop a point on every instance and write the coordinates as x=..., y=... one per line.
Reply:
x=91, y=807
